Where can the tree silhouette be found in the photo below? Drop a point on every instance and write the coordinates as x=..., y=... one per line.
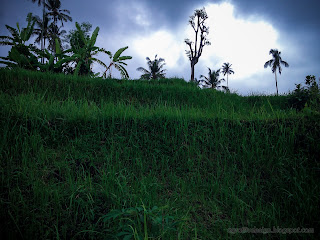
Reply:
x=226, y=70
x=212, y=79
x=155, y=69
x=197, y=22
x=54, y=10
x=73, y=38
x=275, y=63
x=55, y=32
x=42, y=30
x=42, y=2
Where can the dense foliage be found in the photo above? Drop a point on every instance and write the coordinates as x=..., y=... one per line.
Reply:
x=306, y=96
x=75, y=57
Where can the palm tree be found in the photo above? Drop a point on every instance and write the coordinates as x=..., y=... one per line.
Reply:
x=118, y=63
x=226, y=69
x=275, y=63
x=42, y=32
x=42, y=2
x=54, y=10
x=212, y=79
x=155, y=69
x=55, y=32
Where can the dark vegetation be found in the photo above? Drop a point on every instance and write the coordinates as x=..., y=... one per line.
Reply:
x=85, y=158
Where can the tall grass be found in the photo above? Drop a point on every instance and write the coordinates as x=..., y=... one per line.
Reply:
x=89, y=158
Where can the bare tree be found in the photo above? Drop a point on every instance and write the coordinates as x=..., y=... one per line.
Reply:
x=197, y=22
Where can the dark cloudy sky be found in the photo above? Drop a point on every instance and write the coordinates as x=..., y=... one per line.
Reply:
x=241, y=32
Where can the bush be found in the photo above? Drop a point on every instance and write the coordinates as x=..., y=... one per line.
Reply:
x=308, y=95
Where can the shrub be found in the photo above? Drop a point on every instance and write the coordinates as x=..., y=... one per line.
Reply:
x=308, y=95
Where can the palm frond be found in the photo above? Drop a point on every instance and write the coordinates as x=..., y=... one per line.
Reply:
x=284, y=63
x=5, y=43
x=6, y=38
x=145, y=76
x=202, y=76
x=141, y=69
x=268, y=63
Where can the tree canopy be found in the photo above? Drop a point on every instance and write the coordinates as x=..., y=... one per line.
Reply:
x=155, y=69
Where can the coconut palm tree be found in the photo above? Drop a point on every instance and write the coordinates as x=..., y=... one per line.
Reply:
x=118, y=61
x=42, y=30
x=42, y=2
x=55, y=32
x=212, y=79
x=155, y=69
x=226, y=69
x=54, y=10
x=275, y=63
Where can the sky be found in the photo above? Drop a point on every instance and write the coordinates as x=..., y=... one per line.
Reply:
x=241, y=32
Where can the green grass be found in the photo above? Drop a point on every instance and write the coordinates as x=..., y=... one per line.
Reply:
x=89, y=158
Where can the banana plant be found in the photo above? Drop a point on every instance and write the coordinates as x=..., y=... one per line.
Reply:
x=20, y=54
x=118, y=62
x=83, y=55
x=19, y=36
x=51, y=65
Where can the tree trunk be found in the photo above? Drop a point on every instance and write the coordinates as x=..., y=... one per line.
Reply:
x=42, y=31
x=193, y=62
x=192, y=72
x=275, y=74
x=227, y=81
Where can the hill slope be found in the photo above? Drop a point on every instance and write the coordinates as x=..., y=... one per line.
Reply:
x=92, y=159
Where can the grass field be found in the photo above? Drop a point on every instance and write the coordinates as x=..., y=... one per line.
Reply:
x=89, y=158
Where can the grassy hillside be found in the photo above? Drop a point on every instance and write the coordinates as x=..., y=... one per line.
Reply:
x=89, y=158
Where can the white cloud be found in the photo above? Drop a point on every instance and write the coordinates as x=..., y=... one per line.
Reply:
x=243, y=43
x=161, y=43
